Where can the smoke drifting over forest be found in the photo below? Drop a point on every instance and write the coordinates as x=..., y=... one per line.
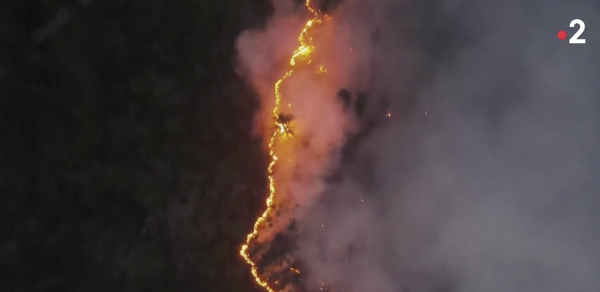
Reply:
x=487, y=178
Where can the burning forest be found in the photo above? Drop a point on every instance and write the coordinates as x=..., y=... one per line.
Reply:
x=269, y=251
x=300, y=146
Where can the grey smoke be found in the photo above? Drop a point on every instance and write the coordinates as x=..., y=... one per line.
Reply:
x=497, y=188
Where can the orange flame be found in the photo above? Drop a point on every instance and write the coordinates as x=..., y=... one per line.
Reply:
x=302, y=53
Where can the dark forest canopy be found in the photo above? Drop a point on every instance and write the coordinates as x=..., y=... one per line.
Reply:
x=126, y=154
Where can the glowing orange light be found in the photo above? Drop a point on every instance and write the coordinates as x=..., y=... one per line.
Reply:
x=302, y=53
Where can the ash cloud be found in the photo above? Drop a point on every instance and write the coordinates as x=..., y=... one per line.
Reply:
x=489, y=179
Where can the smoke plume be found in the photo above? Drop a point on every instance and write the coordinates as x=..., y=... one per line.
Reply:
x=486, y=177
x=485, y=174
x=320, y=120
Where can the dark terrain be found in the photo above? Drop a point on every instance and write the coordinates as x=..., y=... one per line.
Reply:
x=126, y=157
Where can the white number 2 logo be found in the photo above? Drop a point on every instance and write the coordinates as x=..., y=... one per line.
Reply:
x=575, y=39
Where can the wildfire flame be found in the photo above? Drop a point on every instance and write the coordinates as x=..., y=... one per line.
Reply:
x=302, y=53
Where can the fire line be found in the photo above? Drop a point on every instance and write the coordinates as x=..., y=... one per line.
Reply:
x=302, y=53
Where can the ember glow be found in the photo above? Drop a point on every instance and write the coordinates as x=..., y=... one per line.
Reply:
x=282, y=129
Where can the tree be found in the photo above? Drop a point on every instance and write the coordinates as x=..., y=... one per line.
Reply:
x=282, y=121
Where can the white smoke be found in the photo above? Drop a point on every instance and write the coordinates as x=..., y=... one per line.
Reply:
x=496, y=188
